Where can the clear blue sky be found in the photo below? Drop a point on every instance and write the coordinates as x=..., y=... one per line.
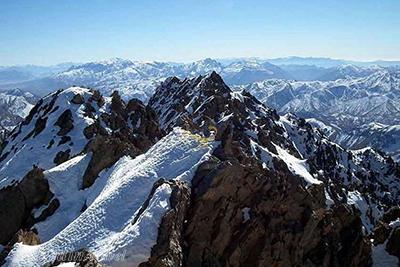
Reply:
x=52, y=31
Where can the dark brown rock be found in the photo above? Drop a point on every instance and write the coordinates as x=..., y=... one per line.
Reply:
x=12, y=212
x=39, y=125
x=49, y=210
x=105, y=152
x=18, y=202
x=25, y=237
x=381, y=233
x=244, y=214
x=62, y=156
x=391, y=215
x=97, y=97
x=169, y=246
x=65, y=122
x=285, y=224
x=78, y=99
x=393, y=244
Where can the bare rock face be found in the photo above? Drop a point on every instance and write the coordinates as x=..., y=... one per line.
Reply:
x=18, y=202
x=65, y=122
x=26, y=237
x=249, y=211
x=105, y=152
x=62, y=156
x=393, y=244
x=245, y=216
x=169, y=248
x=134, y=130
x=381, y=233
x=78, y=99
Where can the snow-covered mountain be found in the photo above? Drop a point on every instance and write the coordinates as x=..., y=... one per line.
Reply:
x=140, y=79
x=347, y=106
x=200, y=176
x=10, y=75
x=348, y=71
x=380, y=136
x=14, y=107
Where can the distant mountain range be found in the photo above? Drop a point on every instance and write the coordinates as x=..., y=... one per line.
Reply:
x=14, y=107
x=344, y=97
x=200, y=176
x=354, y=112
x=139, y=79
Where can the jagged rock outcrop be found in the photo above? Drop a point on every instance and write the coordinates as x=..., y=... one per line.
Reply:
x=134, y=129
x=242, y=186
x=18, y=202
x=68, y=122
x=277, y=192
x=170, y=240
x=61, y=126
x=26, y=237
x=243, y=215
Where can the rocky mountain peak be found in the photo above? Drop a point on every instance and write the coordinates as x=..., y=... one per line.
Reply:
x=238, y=185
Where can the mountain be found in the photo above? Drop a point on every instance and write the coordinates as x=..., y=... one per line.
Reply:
x=139, y=79
x=201, y=176
x=304, y=72
x=244, y=72
x=345, y=105
x=16, y=74
x=314, y=73
x=327, y=62
x=348, y=71
x=381, y=136
x=12, y=75
x=14, y=107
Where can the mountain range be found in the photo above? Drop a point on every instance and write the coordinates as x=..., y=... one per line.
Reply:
x=201, y=175
x=354, y=112
x=348, y=99
x=139, y=79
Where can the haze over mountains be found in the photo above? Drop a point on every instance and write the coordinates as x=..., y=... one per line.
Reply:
x=235, y=71
x=351, y=101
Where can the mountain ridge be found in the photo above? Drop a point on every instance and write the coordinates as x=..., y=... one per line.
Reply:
x=206, y=158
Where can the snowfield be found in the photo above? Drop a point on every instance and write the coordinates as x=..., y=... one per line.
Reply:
x=111, y=226
x=26, y=150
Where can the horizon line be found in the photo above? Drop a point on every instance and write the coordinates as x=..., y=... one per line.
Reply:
x=365, y=61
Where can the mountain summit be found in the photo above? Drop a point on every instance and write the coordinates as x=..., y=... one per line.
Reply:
x=200, y=176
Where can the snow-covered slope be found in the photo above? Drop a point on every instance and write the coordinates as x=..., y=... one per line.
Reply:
x=40, y=138
x=139, y=79
x=210, y=103
x=347, y=105
x=348, y=71
x=366, y=179
x=114, y=222
x=14, y=107
x=228, y=179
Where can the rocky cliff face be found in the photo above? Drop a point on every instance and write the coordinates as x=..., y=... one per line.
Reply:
x=238, y=185
x=276, y=192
